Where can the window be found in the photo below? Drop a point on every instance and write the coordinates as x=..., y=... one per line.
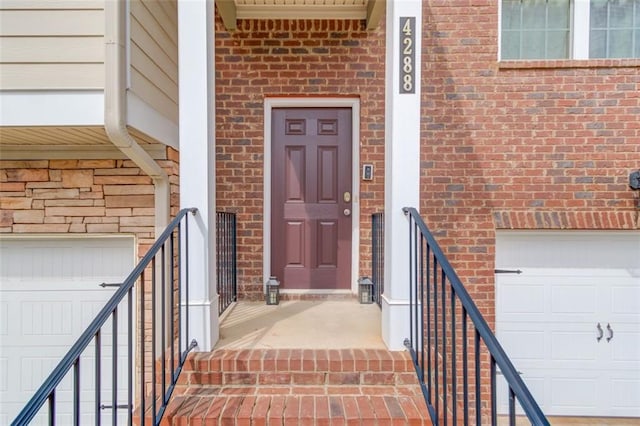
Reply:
x=614, y=29
x=570, y=29
x=535, y=29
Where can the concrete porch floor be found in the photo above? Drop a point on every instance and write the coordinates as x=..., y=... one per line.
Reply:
x=301, y=324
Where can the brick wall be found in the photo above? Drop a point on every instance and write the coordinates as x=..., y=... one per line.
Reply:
x=81, y=196
x=539, y=145
x=290, y=58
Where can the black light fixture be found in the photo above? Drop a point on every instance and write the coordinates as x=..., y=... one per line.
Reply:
x=365, y=290
x=272, y=291
x=634, y=180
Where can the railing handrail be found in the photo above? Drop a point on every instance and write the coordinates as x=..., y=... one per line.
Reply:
x=511, y=375
x=64, y=366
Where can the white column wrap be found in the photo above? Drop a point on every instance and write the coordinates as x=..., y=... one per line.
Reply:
x=402, y=172
x=197, y=162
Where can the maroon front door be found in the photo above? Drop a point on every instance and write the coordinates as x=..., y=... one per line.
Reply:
x=311, y=198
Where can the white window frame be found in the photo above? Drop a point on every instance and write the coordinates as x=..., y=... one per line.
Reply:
x=580, y=29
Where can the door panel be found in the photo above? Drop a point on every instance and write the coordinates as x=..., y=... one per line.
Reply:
x=311, y=169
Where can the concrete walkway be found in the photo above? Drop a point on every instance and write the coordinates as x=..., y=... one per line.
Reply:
x=301, y=325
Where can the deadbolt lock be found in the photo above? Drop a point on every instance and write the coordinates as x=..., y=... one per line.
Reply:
x=346, y=197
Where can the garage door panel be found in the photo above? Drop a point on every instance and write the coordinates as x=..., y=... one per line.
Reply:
x=4, y=374
x=574, y=394
x=524, y=345
x=50, y=293
x=46, y=319
x=524, y=299
x=587, y=278
x=625, y=345
x=573, y=299
x=581, y=249
x=625, y=393
x=625, y=298
x=573, y=346
x=65, y=259
x=568, y=391
x=4, y=319
x=536, y=385
x=39, y=367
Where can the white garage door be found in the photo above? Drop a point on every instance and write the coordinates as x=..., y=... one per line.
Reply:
x=49, y=293
x=574, y=288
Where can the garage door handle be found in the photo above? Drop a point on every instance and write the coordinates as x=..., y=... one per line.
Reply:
x=109, y=407
x=104, y=285
x=600, y=332
x=610, y=333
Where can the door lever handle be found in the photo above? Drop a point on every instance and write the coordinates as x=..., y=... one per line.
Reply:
x=609, y=333
x=600, y=332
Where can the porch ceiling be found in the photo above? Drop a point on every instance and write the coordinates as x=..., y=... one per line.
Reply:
x=62, y=142
x=232, y=10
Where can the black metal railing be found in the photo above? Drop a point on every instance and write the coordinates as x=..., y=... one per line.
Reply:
x=456, y=355
x=226, y=259
x=99, y=367
x=377, y=256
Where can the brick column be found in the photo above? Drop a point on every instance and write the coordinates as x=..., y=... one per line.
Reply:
x=402, y=162
x=197, y=162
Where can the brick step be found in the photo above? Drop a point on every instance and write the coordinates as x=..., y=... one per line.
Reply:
x=296, y=386
x=298, y=367
x=311, y=410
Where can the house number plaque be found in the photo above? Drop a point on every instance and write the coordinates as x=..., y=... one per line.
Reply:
x=407, y=55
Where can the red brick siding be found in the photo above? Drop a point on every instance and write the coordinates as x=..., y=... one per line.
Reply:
x=526, y=145
x=290, y=58
x=543, y=145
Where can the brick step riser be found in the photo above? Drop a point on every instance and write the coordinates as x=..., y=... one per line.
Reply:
x=298, y=367
x=271, y=361
x=297, y=379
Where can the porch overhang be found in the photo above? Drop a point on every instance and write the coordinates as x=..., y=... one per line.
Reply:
x=369, y=10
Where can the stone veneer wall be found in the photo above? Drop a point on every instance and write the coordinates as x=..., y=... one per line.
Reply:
x=82, y=197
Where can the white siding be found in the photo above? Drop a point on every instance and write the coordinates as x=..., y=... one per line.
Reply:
x=52, y=44
x=154, y=55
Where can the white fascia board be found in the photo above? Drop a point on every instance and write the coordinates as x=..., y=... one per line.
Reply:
x=143, y=117
x=52, y=108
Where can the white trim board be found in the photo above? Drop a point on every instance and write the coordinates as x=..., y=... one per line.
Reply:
x=52, y=108
x=308, y=102
x=142, y=116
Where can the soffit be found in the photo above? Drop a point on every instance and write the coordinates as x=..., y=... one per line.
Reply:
x=369, y=10
x=67, y=142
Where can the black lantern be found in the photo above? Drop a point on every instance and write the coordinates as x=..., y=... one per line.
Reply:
x=365, y=290
x=272, y=293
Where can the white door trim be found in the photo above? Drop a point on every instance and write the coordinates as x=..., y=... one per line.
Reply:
x=308, y=102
